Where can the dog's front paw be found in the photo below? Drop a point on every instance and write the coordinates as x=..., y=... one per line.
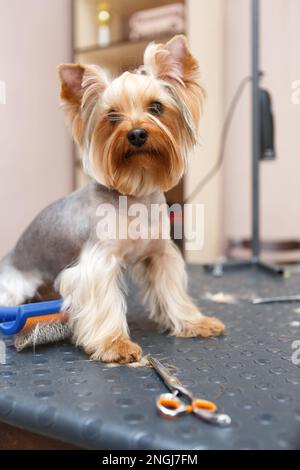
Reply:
x=205, y=327
x=122, y=351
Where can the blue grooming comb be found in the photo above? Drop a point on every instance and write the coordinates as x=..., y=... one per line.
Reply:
x=13, y=319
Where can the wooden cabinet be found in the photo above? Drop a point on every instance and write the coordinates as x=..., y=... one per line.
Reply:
x=204, y=28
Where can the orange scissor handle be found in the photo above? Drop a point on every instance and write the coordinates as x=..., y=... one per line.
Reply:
x=169, y=406
x=205, y=405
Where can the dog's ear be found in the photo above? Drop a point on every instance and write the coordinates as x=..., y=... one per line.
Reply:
x=172, y=62
x=81, y=89
x=71, y=76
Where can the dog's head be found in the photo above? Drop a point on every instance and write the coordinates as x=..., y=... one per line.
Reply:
x=135, y=131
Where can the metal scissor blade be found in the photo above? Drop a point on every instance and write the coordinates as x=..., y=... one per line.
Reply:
x=172, y=382
x=273, y=300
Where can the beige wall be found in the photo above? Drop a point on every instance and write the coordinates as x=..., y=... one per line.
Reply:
x=35, y=149
x=280, y=59
x=205, y=30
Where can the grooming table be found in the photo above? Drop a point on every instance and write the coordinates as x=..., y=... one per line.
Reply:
x=57, y=392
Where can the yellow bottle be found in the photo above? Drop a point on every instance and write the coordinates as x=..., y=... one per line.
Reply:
x=103, y=19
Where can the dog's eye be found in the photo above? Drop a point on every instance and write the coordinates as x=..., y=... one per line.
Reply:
x=113, y=116
x=156, y=108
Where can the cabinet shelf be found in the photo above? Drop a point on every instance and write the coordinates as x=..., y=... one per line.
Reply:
x=120, y=54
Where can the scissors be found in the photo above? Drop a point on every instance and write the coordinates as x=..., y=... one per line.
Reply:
x=170, y=405
x=13, y=319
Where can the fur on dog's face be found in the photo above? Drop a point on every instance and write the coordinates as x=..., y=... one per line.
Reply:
x=136, y=130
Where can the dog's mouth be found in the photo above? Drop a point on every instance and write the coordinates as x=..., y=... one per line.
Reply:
x=139, y=153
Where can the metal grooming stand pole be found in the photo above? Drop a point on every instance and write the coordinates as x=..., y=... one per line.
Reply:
x=218, y=268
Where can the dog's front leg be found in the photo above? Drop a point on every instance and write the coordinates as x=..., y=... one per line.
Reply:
x=93, y=297
x=163, y=279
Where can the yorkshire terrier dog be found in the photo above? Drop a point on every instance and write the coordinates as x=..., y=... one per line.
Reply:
x=134, y=133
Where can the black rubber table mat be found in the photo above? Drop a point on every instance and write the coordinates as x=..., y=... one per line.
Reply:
x=56, y=391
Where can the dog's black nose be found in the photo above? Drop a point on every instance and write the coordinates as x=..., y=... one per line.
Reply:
x=137, y=136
